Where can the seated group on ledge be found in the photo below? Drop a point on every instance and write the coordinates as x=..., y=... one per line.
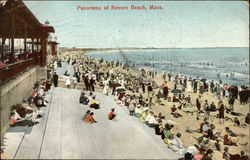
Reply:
x=29, y=112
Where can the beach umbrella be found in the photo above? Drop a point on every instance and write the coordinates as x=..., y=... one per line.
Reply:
x=203, y=79
x=120, y=89
x=181, y=87
x=176, y=91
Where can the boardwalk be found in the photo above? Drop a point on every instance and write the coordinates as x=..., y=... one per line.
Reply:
x=63, y=134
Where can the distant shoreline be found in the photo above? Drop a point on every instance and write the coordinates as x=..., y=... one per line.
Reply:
x=127, y=48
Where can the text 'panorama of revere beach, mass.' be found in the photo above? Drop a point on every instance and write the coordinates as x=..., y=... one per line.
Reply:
x=115, y=7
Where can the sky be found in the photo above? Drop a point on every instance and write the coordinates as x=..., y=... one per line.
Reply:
x=180, y=24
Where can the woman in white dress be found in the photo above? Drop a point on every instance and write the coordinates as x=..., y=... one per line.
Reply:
x=189, y=87
x=67, y=82
x=106, y=87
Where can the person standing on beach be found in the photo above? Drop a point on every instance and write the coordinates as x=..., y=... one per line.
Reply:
x=105, y=86
x=195, y=86
x=189, y=87
x=198, y=104
x=131, y=106
x=231, y=101
x=77, y=75
x=165, y=89
x=218, y=91
x=55, y=79
x=201, y=88
x=150, y=93
x=221, y=113
x=143, y=86
x=212, y=86
x=67, y=82
x=86, y=81
x=92, y=83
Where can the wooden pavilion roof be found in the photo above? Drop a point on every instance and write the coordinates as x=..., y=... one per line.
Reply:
x=23, y=17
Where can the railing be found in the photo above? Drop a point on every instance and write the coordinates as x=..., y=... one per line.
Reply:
x=10, y=71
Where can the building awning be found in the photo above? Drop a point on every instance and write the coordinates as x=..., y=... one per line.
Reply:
x=53, y=42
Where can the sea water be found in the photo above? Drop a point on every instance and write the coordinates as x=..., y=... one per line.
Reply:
x=210, y=63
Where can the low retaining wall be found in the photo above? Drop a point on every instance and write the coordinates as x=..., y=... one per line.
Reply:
x=14, y=91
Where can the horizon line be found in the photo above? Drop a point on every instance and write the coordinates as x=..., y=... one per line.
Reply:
x=149, y=47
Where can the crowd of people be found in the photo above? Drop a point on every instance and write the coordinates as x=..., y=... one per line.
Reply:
x=140, y=93
x=29, y=112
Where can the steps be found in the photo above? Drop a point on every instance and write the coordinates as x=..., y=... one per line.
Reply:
x=67, y=136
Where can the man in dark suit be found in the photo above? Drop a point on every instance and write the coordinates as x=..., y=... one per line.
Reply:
x=55, y=79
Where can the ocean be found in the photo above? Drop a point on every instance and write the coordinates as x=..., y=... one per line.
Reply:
x=210, y=63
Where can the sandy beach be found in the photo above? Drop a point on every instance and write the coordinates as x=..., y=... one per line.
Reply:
x=189, y=120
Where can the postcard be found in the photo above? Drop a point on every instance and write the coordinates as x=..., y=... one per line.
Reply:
x=124, y=79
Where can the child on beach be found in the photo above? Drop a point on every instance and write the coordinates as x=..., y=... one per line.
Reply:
x=90, y=118
x=112, y=115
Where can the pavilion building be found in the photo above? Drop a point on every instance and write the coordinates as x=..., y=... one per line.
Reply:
x=24, y=46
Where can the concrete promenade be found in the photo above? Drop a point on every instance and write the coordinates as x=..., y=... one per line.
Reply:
x=62, y=134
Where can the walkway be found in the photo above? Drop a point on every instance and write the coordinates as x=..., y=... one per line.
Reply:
x=66, y=136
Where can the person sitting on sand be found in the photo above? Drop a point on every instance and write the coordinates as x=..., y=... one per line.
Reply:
x=190, y=152
x=138, y=111
x=86, y=115
x=204, y=127
x=212, y=107
x=173, y=109
x=236, y=122
x=90, y=118
x=217, y=144
x=150, y=119
x=168, y=136
x=247, y=118
x=210, y=133
x=174, y=113
x=243, y=156
x=143, y=115
x=226, y=154
x=177, y=145
x=160, y=116
x=94, y=104
x=159, y=128
x=208, y=155
x=199, y=155
x=228, y=141
x=112, y=115
x=233, y=134
x=175, y=99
